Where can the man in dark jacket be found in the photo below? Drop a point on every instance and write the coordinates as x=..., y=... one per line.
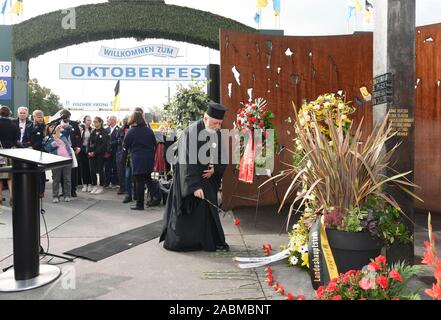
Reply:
x=23, y=124
x=110, y=166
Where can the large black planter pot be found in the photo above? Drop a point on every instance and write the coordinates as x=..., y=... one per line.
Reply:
x=352, y=250
x=399, y=252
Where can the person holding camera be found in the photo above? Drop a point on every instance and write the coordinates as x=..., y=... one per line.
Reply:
x=56, y=142
x=74, y=136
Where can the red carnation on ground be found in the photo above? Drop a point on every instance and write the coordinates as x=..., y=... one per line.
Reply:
x=396, y=276
x=237, y=222
x=270, y=280
x=289, y=296
x=301, y=297
x=382, y=281
x=281, y=290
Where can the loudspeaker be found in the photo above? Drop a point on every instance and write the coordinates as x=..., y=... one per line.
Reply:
x=213, y=86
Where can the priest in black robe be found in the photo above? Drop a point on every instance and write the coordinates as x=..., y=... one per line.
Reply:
x=191, y=223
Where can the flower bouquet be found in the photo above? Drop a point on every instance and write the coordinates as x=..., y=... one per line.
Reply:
x=376, y=281
x=255, y=134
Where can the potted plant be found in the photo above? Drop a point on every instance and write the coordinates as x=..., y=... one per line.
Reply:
x=338, y=175
x=385, y=222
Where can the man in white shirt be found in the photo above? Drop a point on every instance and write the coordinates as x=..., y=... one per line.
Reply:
x=23, y=123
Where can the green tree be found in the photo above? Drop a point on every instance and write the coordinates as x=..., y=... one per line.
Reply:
x=189, y=104
x=42, y=98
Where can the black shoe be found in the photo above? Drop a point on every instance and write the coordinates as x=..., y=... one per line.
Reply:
x=154, y=203
x=224, y=247
x=74, y=194
x=137, y=208
x=121, y=191
x=127, y=199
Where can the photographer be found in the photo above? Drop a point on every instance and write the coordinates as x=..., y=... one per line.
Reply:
x=75, y=140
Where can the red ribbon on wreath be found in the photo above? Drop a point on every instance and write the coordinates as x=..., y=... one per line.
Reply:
x=246, y=168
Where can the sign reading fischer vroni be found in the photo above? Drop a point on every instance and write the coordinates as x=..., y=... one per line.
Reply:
x=73, y=71
x=153, y=49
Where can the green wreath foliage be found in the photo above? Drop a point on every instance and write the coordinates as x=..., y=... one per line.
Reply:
x=121, y=19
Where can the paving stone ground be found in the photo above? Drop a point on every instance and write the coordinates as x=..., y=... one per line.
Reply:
x=148, y=271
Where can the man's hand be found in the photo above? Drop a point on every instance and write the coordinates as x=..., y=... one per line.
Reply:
x=199, y=194
x=208, y=173
x=77, y=150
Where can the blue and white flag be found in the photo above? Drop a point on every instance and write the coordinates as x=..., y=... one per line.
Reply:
x=5, y=5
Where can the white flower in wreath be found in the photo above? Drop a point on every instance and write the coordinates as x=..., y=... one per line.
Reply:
x=296, y=226
x=294, y=260
x=303, y=249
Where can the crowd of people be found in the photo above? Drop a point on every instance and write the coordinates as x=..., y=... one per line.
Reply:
x=104, y=155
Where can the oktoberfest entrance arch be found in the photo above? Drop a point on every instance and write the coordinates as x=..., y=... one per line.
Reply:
x=140, y=19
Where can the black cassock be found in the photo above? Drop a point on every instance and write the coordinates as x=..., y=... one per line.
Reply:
x=190, y=223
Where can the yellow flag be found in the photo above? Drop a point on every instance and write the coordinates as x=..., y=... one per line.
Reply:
x=262, y=4
x=358, y=6
x=17, y=8
x=116, y=100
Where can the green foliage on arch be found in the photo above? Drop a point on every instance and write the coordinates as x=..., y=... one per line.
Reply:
x=118, y=19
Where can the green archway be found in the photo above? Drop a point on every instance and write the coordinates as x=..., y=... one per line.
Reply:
x=121, y=19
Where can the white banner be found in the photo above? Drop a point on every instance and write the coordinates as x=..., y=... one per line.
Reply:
x=72, y=71
x=157, y=50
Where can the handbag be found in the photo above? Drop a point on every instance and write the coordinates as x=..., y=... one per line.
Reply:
x=74, y=158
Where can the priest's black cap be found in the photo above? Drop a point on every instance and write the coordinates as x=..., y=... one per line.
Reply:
x=216, y=110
